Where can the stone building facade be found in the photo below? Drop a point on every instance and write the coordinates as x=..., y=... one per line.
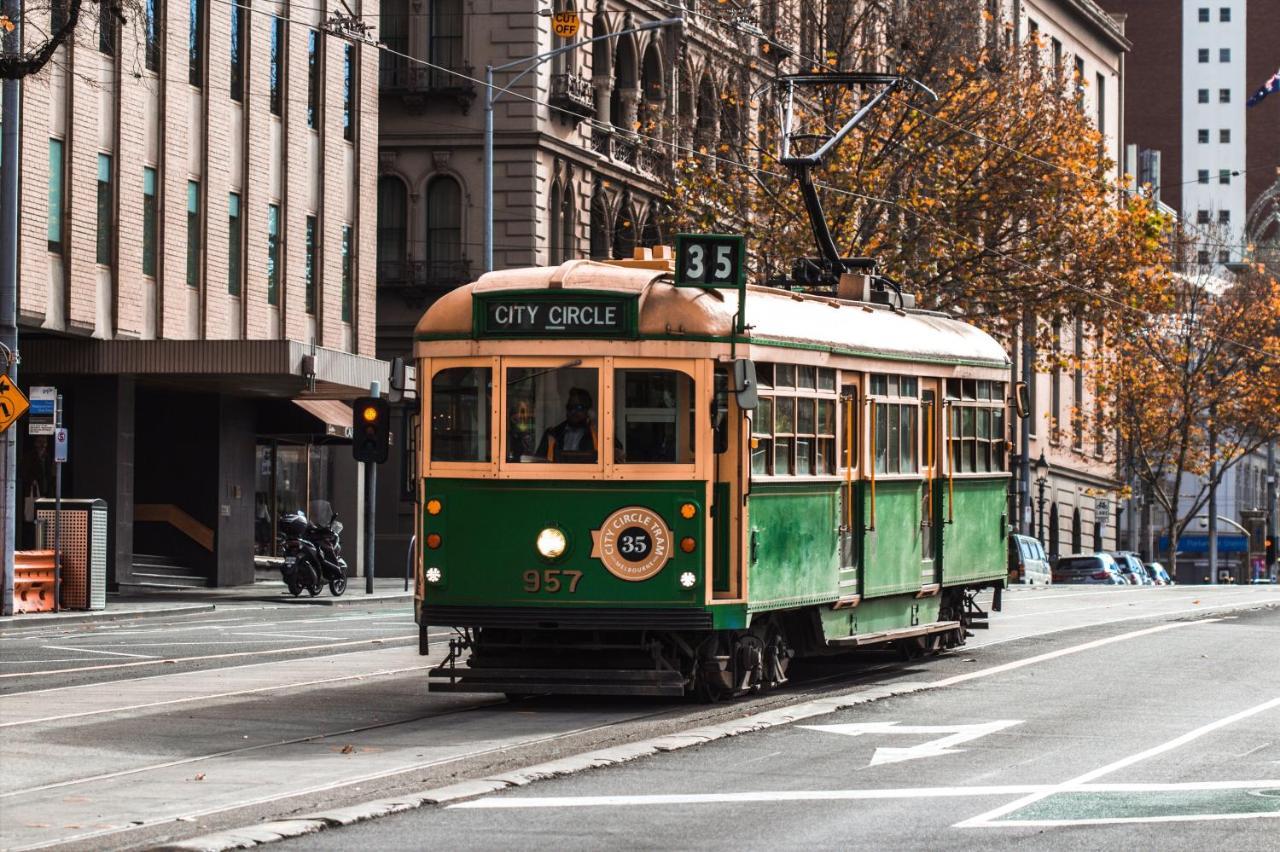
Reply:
x=197, y=242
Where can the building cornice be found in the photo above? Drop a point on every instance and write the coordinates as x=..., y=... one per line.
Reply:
x=1101, y=23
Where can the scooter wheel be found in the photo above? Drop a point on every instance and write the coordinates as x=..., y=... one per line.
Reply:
x=295, y=588
x=337, y=586
x=315, y=590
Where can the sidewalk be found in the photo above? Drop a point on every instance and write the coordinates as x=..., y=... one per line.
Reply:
x=154, y=603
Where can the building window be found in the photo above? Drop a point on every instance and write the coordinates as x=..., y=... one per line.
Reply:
x=193, y=233
x=1077, y=387
x=1202, y=136
x=562, y=222
x=348, y=120
x=273, y=254
x=1055, y=50
x=1224, y=14
x=1202, y=54
x=235, y=244
x=152, y=34
x=276, y=71
x=1202, y=217
x=392, y=229
x=444, y=47
x=346, y=273
x=1224, y=96
x=108, y=28
x=444, y=224
x=105, y=212
x=977, y=436
x=195, y=38
x=1204, y=14
x=309, y=268
x=313, y=79
x=56, y=190
x=1224, y=136
x=238, y=30
x=1224, y=217
x=1080, y=82
x=1102, y=104
x=148, y=221
x=568, y=222
x=1224, y=54
x=1202, y=258
x=1224, y=256
x=1055, y=384
x=1203, y=176
x=1202, y=95
x=1224, y=176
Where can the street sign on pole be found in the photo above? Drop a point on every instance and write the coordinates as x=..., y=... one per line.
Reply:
x=44, y=407
x=59, y=445
x=565, y=24
x=12, y=403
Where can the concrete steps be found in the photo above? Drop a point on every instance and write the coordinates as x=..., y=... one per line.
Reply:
x=155, y=571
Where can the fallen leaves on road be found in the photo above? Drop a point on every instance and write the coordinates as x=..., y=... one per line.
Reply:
x=199, y=776
x=348, y=749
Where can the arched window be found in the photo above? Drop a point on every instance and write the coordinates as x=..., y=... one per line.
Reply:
x=555, y=247
x=1077, y=532
x=651, y=233
x=444, y=225
x=568, y=222
x=1054, y=541
x=624, y=80
x=708, y=113
x=624, y=230
x=653, y=88
x=392, y=228
x=600, y=227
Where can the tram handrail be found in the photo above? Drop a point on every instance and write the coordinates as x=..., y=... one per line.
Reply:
x=872, y=472
x=951, y=471
x=408, y=560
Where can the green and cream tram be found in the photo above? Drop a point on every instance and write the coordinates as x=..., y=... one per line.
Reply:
x=600, y=514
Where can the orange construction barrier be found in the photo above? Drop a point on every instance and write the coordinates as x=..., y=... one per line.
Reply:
x=33, y=581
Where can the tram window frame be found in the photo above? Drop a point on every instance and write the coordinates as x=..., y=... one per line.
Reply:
x=600, y=408
x=800, y=447
x=976, y=426
x=897, y=399
x=690, y=413
x=430, y=435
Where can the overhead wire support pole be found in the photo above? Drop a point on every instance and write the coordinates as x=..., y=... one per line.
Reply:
x=492, y=93
x=10, y=153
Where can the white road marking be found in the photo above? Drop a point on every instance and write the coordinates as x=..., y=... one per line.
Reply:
x=203, y=657
x=512, y=803
x=990, y=818
x=92, y=651
x=932, y=748
x=288, y=635
x=1047, y=823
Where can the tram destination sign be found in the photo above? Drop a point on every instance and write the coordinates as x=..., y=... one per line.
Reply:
x=594, y=315
x=711, y=260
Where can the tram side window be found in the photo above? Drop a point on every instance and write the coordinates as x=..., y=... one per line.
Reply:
x=793, y=429
x=896, y=423
x=655, y=417
x=551, y=415
x=460, y=414
x=977, y=425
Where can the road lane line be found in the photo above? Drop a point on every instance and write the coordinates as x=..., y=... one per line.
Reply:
x=988, y=819
x=92, y=651
x=512, y=803
x=204, y=657
x=1051, y=823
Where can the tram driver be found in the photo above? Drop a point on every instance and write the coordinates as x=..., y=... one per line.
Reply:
x=573, y=439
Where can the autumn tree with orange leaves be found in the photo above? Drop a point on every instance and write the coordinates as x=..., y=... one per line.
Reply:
x=1198, y=388
x=992, y=203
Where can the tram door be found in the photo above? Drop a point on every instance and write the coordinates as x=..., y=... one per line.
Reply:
x=850, y=553
x=930, y=429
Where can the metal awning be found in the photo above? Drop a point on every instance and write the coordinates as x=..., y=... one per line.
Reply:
x=333, y=413
x=249, y=368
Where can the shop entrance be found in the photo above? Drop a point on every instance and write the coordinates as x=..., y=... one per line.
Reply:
x=289, y=476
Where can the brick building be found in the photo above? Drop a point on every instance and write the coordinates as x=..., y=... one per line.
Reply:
x=196, y=273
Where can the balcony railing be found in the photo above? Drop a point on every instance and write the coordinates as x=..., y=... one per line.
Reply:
x=642, y=155
x=423, y=278
x=415, y=82
x=573, y=94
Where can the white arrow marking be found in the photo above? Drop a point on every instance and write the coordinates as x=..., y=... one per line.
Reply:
x=933, y=748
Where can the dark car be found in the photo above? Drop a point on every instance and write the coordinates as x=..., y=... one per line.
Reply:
x=1132, y=568
x=1091, y=568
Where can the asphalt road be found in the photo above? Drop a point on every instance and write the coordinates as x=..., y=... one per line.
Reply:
x=1163, y=738
x=124, y=736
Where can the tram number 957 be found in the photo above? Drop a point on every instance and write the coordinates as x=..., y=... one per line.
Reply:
x=551, y=580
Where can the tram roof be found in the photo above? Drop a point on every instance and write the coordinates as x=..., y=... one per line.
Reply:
x=773, y=316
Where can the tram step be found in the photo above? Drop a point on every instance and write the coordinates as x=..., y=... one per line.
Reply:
x=582, y=675
x=558, y=681
x=901, y=633
x=540, y=688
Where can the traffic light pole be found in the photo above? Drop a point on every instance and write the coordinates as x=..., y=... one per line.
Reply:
x=370, y=506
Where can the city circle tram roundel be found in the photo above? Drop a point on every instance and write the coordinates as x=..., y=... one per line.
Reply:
x=633, y=543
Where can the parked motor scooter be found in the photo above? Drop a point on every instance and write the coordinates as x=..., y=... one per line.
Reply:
x=312, y=555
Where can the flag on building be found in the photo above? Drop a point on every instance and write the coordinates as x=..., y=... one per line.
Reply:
x=1272, y=86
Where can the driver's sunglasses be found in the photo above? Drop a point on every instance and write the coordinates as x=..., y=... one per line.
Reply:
x=575, y=407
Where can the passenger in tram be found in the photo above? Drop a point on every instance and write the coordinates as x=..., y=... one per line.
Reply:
x=574, y=439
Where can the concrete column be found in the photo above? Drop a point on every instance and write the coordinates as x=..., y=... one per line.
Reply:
x=101, y=417
x=233, y=530
x=604, y=90
x=630, y=99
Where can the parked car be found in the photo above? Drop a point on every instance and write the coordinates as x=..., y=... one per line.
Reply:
x=1132, y=568
x=1091, y=568
x=1155, y=569
x=1028, y=563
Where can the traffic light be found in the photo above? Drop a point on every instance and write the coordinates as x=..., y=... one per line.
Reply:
x=371, y=429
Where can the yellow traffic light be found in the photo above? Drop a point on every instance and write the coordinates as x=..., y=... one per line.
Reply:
x=369, y=413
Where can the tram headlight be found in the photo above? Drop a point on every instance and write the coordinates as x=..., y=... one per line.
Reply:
x=552, y=543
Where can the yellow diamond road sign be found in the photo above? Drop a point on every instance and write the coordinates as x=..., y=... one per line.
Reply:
x=12, y=403
x=565, y=24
